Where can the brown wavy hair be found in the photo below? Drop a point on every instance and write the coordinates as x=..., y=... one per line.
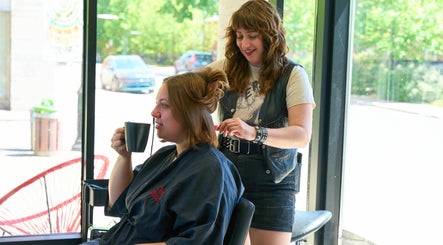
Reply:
x=262, y=17
x=193, y=96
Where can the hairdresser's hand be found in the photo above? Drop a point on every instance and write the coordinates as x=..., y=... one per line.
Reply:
x=118, y=142
x=238, y=128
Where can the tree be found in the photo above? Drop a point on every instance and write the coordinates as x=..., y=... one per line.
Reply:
x=390, y=38
x=399, y=30
x=298, y=20
x=144, y=28
x=183, y=9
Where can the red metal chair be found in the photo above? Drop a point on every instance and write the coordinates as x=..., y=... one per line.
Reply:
x=48, y=202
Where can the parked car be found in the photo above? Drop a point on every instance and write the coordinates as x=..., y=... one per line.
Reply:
x=192, y=60
x=126, y=73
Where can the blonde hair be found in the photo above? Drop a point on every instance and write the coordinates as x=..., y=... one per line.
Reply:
x=193, y=96
x=262, y=17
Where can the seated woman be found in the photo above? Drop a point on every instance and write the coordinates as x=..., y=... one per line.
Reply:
x=184, y=193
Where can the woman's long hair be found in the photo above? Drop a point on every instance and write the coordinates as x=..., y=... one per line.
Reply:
x=260, y=16
x=193, y=97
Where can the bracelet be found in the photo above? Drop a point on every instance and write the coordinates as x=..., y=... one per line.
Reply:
x=264, y=135
x=258, y=134
x=261, y=134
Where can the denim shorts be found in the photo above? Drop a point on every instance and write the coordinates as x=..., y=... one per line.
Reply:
x=274, y=203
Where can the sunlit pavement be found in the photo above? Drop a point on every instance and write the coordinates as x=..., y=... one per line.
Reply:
x=394, y=160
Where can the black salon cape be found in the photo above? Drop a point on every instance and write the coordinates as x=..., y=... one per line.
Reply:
x=188, y=201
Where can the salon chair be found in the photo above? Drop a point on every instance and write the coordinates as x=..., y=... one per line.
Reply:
x=96, y=192
x=239, y=223
x=308, y=222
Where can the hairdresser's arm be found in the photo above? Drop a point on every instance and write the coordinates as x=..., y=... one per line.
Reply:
x=122, y=173
x=298, y=132
x=296, y=135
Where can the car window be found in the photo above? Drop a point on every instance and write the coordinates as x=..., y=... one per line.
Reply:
x=111, y=64
x=204, y=57
x=129, y=64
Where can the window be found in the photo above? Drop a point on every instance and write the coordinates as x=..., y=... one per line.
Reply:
x=394, y=130
x=158, y=38
x=40, y=63
x=42, y=98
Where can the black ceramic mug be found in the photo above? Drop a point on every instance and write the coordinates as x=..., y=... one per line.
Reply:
x=136, y=136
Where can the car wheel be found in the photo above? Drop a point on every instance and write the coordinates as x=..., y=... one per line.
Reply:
x=103, y=83
x=114, y=85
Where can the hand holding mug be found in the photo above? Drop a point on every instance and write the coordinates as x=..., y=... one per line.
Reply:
x=136, y=136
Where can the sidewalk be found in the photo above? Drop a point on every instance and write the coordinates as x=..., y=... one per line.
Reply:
x=17, y=160
x=419, y=109
x=15, y=129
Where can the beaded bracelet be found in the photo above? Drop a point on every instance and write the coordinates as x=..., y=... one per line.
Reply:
x=258, y=134
x=264, y=135
x=261, y=135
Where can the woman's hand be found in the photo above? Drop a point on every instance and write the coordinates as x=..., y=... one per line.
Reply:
x=238, y=128
x=118, y=142
x=121, y=175
x=296, y=135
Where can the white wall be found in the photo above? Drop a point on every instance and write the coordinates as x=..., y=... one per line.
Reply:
x=227, y=7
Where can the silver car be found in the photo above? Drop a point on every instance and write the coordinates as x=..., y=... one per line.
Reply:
x=126, y=73
x=192, y=60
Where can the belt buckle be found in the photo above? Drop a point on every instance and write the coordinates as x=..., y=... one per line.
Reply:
x=234, y=145
x=249, y=147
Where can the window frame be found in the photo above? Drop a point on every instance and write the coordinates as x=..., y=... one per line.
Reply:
x=88, y=102
x=330, y=76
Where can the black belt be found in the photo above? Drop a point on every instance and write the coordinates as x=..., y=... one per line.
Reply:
x=241, y=146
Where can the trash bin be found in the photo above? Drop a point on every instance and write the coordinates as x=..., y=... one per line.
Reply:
x=45, y=129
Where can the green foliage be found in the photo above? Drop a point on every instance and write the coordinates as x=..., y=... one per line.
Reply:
x=387, y=35
x=393, y=42
x=429, y=83
x=143, y=27
x=406, y=82
x=184, y=9
x=399, y=30
x=364, y=74
x=414, y=82
x=298, y=20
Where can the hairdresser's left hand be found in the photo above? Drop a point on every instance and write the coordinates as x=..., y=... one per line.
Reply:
x=238, y=128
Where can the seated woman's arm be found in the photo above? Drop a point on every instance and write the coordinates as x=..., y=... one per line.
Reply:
x=122, y=173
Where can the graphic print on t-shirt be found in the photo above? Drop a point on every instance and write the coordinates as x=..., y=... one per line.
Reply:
x=248, y=105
